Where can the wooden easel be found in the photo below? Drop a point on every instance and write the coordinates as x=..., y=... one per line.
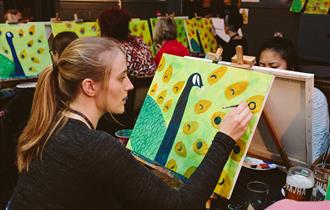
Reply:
x=246, y=62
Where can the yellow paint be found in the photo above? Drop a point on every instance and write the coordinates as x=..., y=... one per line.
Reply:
x=35, y=59
x=154, y=89
x=30, y=43
x=171, y=164
x=161, y=64
x=255, y=103
x=32, y=30
x=189, y=171
x=168, y=74
x=224, y=184
x=178, y=87
x=202, y=106
x=217, y=118
x=161, y=97
x=22, y=54
x=190, y=127
x=167, y=105
x=200, y=146
x=21, y=33
x=216, y=75
x=238, y=150
x=180, y=149
x=236, y=89
x=40, y=50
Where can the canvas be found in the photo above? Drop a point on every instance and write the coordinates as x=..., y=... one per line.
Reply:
x=191, y=31
x=24, y=50
x=81, y=29
x=184, y=106
x=206, y=37
x=317, y=7
x=140, y=28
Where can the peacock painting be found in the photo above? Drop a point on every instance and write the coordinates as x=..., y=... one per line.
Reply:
x=23, y=50
x=183, y=109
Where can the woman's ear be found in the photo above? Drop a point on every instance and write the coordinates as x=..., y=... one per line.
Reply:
x=89, y=87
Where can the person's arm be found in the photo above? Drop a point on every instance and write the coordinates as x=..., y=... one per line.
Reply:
x=320, y=124
x=136, y=187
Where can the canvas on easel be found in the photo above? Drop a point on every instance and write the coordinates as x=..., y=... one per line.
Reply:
x=184, y=106
x=205, y=38
x=140, y=28
x=24, y=50
x=81, y=29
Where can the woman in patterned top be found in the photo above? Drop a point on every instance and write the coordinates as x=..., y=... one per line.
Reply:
x=114, y=23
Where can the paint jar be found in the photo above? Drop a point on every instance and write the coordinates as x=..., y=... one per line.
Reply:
x=123, y=135
x=257, y=194
x=299, y=183
x=322, y=173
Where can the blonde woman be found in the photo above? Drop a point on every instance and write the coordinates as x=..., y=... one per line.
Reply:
x=65, y=164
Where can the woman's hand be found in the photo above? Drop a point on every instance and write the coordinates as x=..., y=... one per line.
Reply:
x=236, y=122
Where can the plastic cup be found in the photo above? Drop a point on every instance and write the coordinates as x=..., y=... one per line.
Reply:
x=123, y=135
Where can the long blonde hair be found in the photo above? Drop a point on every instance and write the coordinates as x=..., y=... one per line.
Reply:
x=57, y=87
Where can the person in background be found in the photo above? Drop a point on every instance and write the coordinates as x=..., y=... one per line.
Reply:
x=233, y=22
x=60, y=41
x=114, y=23
x=65, y=164
x=279, y=53
x=13, y=16
x=164, y=37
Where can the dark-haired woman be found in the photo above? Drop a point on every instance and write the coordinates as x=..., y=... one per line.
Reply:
x=114, y=23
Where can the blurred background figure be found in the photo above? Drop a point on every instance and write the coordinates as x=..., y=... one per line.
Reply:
x=164, y=37
x=13, y=16
x=114, y=23
x=60, y=41
x=233, y=22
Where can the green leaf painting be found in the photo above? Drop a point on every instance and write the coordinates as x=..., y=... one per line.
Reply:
x=183, y=109
x=24, y=50
x=81, y=29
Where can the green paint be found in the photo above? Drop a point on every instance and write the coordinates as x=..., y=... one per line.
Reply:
x=7, y=67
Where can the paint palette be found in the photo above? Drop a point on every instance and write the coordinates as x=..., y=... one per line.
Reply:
x=257, y=164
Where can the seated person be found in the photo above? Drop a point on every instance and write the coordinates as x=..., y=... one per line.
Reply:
x=114, y=23
x=233, y=22
x=164, y=37
x=13, y=16
x=279, y=53
x=65, y=163
x=60, y=41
